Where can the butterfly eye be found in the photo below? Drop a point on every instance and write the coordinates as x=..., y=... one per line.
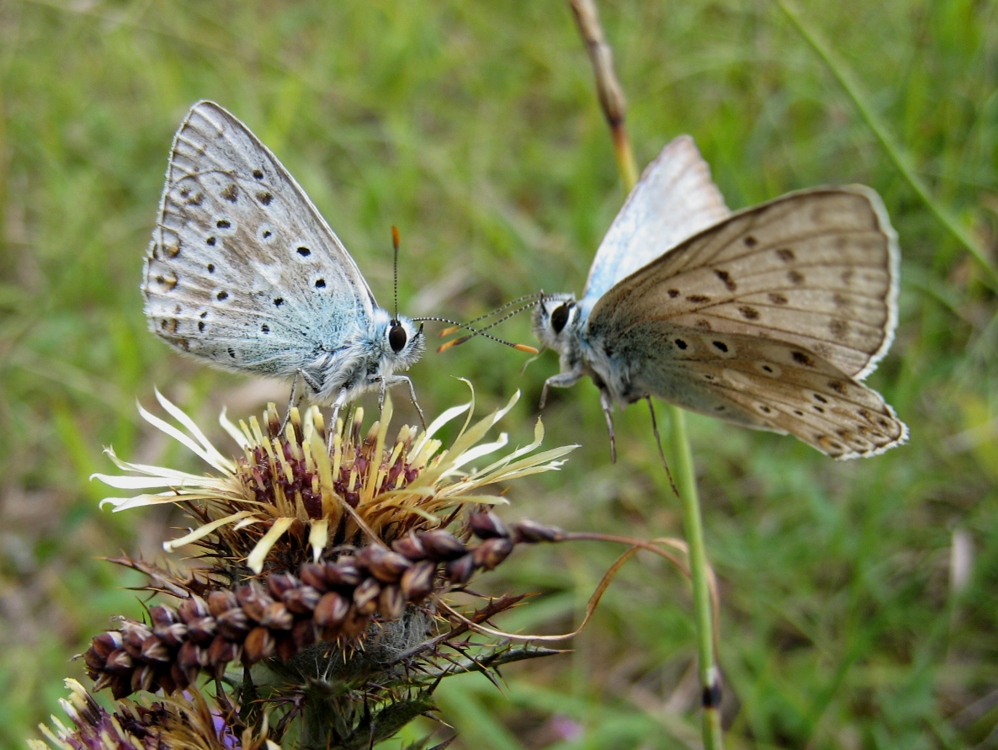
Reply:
x=559, y=318
x=397, y=337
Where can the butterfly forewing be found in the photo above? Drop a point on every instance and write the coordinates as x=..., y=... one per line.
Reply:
x=242, y=269
x=674, y=199
x=816, y=269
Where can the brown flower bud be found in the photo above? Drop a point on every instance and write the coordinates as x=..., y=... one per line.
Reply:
x=365, y=596
x=192, y=609
x=102, y=645
x=391, y=602
x=191, y=658
x=343, y=572
x=331, y=610
x=410, y=547
x=277, y=617
x=221, y=652
x=253, y=600
x=134, y=635
x=532, y=532
x=280, y=583
x=386, y=566
x=220, y=601
x=259, y=645
x=142, y=679
x=118, y=662
x=233, y=624
x=492, y=551
x=202, y=630
x=488, y=526
x=314, y=575
x=301, y=600
x=153, y=649
x=417, y=582
x=461, y=569
x=441, y=545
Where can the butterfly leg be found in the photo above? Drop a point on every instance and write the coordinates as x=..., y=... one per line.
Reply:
x=606, y=402
x=398, y=380
x=658, y=442
x=561, y=380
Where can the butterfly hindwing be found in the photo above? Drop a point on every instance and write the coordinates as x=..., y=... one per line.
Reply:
x=765, y=384
x=816, y=269
x=674, y=199
x=242, y=268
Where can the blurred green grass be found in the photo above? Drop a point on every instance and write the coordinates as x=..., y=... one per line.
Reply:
x=475, y=129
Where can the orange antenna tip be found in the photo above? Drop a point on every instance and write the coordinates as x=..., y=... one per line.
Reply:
x=396, y=240
x=449, y=331
x=525, y=348
x=452, y=344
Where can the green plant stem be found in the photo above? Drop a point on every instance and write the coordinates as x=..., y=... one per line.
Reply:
x=686, y=483
x=894, y=151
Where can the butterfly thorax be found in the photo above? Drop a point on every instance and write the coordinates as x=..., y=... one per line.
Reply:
x=365, y=362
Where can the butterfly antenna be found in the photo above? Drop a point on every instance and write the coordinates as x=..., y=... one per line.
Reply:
x=475, y=332
x=536, y=296
x=482, y=332
x=396, y=241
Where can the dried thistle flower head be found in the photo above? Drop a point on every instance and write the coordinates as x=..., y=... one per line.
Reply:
x=296, y=493
x=179, y=723
x=326, y=557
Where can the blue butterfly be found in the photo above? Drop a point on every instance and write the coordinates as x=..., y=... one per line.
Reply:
x=769, y=318
x=244, y=273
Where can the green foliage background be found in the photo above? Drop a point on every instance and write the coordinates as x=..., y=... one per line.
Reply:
x=475, y=129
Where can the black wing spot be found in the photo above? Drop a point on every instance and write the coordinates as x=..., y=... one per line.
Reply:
x=257, y=174
x=211, y=241
x=222, y=296
x=230, y=193
x=204, y=315
x=768, y=369
x=265, y=328
x=201, y=325
x=698, y=298
x=802, y=359
x=211, y=268
x=818, y=409
x=819, y=398
x=796, y=277
x=304, y=251
x=765, y=409
x=232, y=352
x=223, y=224
x=278, y=301
x=720, y=346
x=777, y=299
x=681, y=344
x=749, y=313
x=751, y=241
x=264, y=197
x=786, y=255
x=673, y=293
x=320, y=283
x=725, y=277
